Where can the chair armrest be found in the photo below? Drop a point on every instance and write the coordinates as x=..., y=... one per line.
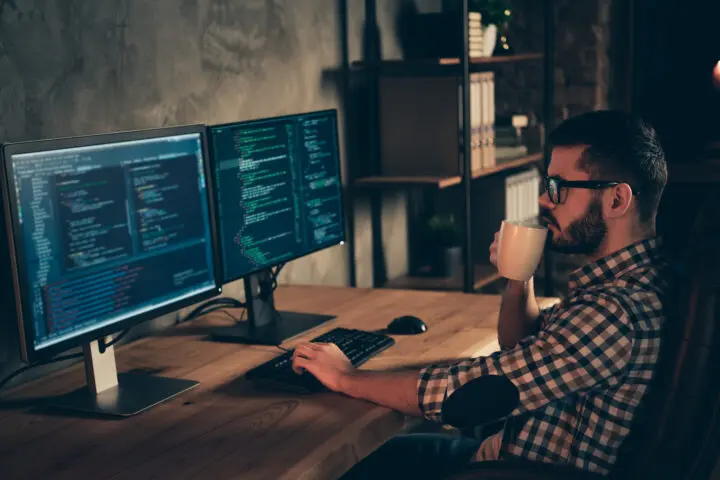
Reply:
x=523, y=470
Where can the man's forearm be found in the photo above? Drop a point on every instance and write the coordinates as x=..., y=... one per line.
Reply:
x=396, y=390
x=518, y=313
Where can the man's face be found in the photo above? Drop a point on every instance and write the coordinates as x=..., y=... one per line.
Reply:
x=576, y=225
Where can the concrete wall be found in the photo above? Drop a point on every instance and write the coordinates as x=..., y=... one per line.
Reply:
x=74, y=67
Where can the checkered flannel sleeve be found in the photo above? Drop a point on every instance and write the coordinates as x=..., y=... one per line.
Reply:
x=541, y=323
x=588, y=342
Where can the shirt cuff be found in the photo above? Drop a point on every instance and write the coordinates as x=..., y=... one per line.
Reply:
x=432, y=386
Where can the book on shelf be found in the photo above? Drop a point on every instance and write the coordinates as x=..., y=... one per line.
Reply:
x=476, y=36
x=505, y=153
x=482, y=120
x=506, y=136
x=509, y=141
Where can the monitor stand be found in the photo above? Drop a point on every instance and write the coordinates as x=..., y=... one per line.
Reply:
x=111, y=394
x=265, y=325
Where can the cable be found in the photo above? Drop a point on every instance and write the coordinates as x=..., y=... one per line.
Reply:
x=102, y=347
x=242, y=316
x=275, y=274
x=220, y=303
x=118, y=338
x=211, y=306
x=273, y=286
x=225, y=302
x=17, y=372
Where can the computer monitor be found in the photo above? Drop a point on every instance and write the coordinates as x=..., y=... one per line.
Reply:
x=107, y=231
x=279, y=197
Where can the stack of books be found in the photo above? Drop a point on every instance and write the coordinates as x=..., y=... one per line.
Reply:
x=475, y=35
x=509, y=140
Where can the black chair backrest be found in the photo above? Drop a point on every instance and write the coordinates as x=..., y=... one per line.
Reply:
x=677, y=430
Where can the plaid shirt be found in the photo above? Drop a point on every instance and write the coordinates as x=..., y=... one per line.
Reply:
x=582, y=376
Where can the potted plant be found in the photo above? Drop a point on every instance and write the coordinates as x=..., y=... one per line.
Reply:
x=443, y=250
x=495, y=16
x=494, y=12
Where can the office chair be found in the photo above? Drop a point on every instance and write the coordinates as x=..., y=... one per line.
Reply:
x=676, y=432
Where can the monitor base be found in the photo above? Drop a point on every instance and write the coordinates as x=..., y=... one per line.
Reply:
x=285, y=326
x=134, y=393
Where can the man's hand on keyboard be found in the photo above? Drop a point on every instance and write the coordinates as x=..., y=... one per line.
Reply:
x=325, y=361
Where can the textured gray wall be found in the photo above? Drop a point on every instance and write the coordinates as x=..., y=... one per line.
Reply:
x=75, y=67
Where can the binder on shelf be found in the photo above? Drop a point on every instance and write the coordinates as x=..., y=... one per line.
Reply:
x=482, y=117
x=475, y=121
x=487, y=108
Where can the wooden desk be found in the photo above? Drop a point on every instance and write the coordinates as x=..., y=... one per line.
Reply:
x=225, y=428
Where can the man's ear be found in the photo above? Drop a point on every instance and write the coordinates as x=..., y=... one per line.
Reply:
x=618, y=201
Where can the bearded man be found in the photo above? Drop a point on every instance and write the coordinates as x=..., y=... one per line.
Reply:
x=581, y=367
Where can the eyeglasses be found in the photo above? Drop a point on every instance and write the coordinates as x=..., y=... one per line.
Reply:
x=556, y=186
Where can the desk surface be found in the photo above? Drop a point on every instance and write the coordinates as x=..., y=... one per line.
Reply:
x=225, y=428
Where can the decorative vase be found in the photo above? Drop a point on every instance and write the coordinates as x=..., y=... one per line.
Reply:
x=490, y=35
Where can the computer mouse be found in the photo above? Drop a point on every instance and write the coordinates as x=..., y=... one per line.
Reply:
x=407, y=325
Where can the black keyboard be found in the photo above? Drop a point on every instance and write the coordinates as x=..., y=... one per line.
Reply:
x=359, y=346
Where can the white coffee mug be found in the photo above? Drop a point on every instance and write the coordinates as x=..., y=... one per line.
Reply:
x=520, y=247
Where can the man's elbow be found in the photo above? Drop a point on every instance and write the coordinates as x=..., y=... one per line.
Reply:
x=506, y=343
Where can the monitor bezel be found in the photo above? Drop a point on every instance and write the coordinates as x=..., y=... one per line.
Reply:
x=226, y=280
x=18, y=268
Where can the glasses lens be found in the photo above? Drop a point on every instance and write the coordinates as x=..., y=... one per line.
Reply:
x=552, y=189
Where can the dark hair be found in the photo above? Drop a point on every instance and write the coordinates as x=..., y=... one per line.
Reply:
x=622, y=148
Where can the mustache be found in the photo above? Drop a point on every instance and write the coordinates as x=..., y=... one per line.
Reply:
x=547, y=218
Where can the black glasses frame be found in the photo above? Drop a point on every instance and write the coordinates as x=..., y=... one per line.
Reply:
x=553, y=186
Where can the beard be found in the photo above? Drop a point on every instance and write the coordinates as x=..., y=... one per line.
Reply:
x=583, y=236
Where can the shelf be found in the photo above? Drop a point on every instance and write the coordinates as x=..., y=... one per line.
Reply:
x=509, y=164
x=445, y=181
x=444, y=66
x=484, y=275
x=384, y=181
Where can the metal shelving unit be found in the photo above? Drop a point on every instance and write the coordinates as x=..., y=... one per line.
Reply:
x=373, y=67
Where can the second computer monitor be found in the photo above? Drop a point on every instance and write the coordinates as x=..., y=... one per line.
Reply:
x=279, y=190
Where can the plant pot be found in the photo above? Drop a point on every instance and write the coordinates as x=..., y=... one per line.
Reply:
x=444, y=262
x=453, y=261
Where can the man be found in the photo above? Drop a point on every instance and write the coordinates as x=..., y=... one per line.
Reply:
x=581, y=367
